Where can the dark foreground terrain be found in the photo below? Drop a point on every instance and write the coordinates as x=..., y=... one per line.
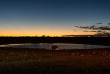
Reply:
x=42, y=61
x=79, y=40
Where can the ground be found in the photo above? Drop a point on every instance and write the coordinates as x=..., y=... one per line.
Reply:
x=42, y=61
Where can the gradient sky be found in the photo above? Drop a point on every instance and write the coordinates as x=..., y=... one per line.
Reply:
x=51, y=17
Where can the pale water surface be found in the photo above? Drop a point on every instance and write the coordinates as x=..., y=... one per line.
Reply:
x=60, y=46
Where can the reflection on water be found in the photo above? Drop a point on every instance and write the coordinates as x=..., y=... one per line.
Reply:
x=60, y=46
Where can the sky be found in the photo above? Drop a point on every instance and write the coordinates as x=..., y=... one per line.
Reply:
x=51, y=17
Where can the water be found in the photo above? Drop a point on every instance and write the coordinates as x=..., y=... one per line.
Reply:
x=60, y=46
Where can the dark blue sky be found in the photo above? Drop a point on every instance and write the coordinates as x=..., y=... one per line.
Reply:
x=50, y=17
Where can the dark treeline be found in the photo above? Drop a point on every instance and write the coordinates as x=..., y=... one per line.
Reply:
x=80, y=40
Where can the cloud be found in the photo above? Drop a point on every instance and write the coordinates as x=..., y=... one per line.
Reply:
x=104, y=28
x=98, y=23
x=92, y=31
x=93, y=27
x=108, y=23
x=86, y=31
x=99, y=29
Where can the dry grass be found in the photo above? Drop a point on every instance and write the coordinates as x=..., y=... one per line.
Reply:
x=26, y=61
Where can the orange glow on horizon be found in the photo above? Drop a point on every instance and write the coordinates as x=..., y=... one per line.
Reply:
x=49, y=30
x=42, y=33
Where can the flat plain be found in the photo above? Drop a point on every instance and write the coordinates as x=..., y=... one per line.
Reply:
x=43, y=61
